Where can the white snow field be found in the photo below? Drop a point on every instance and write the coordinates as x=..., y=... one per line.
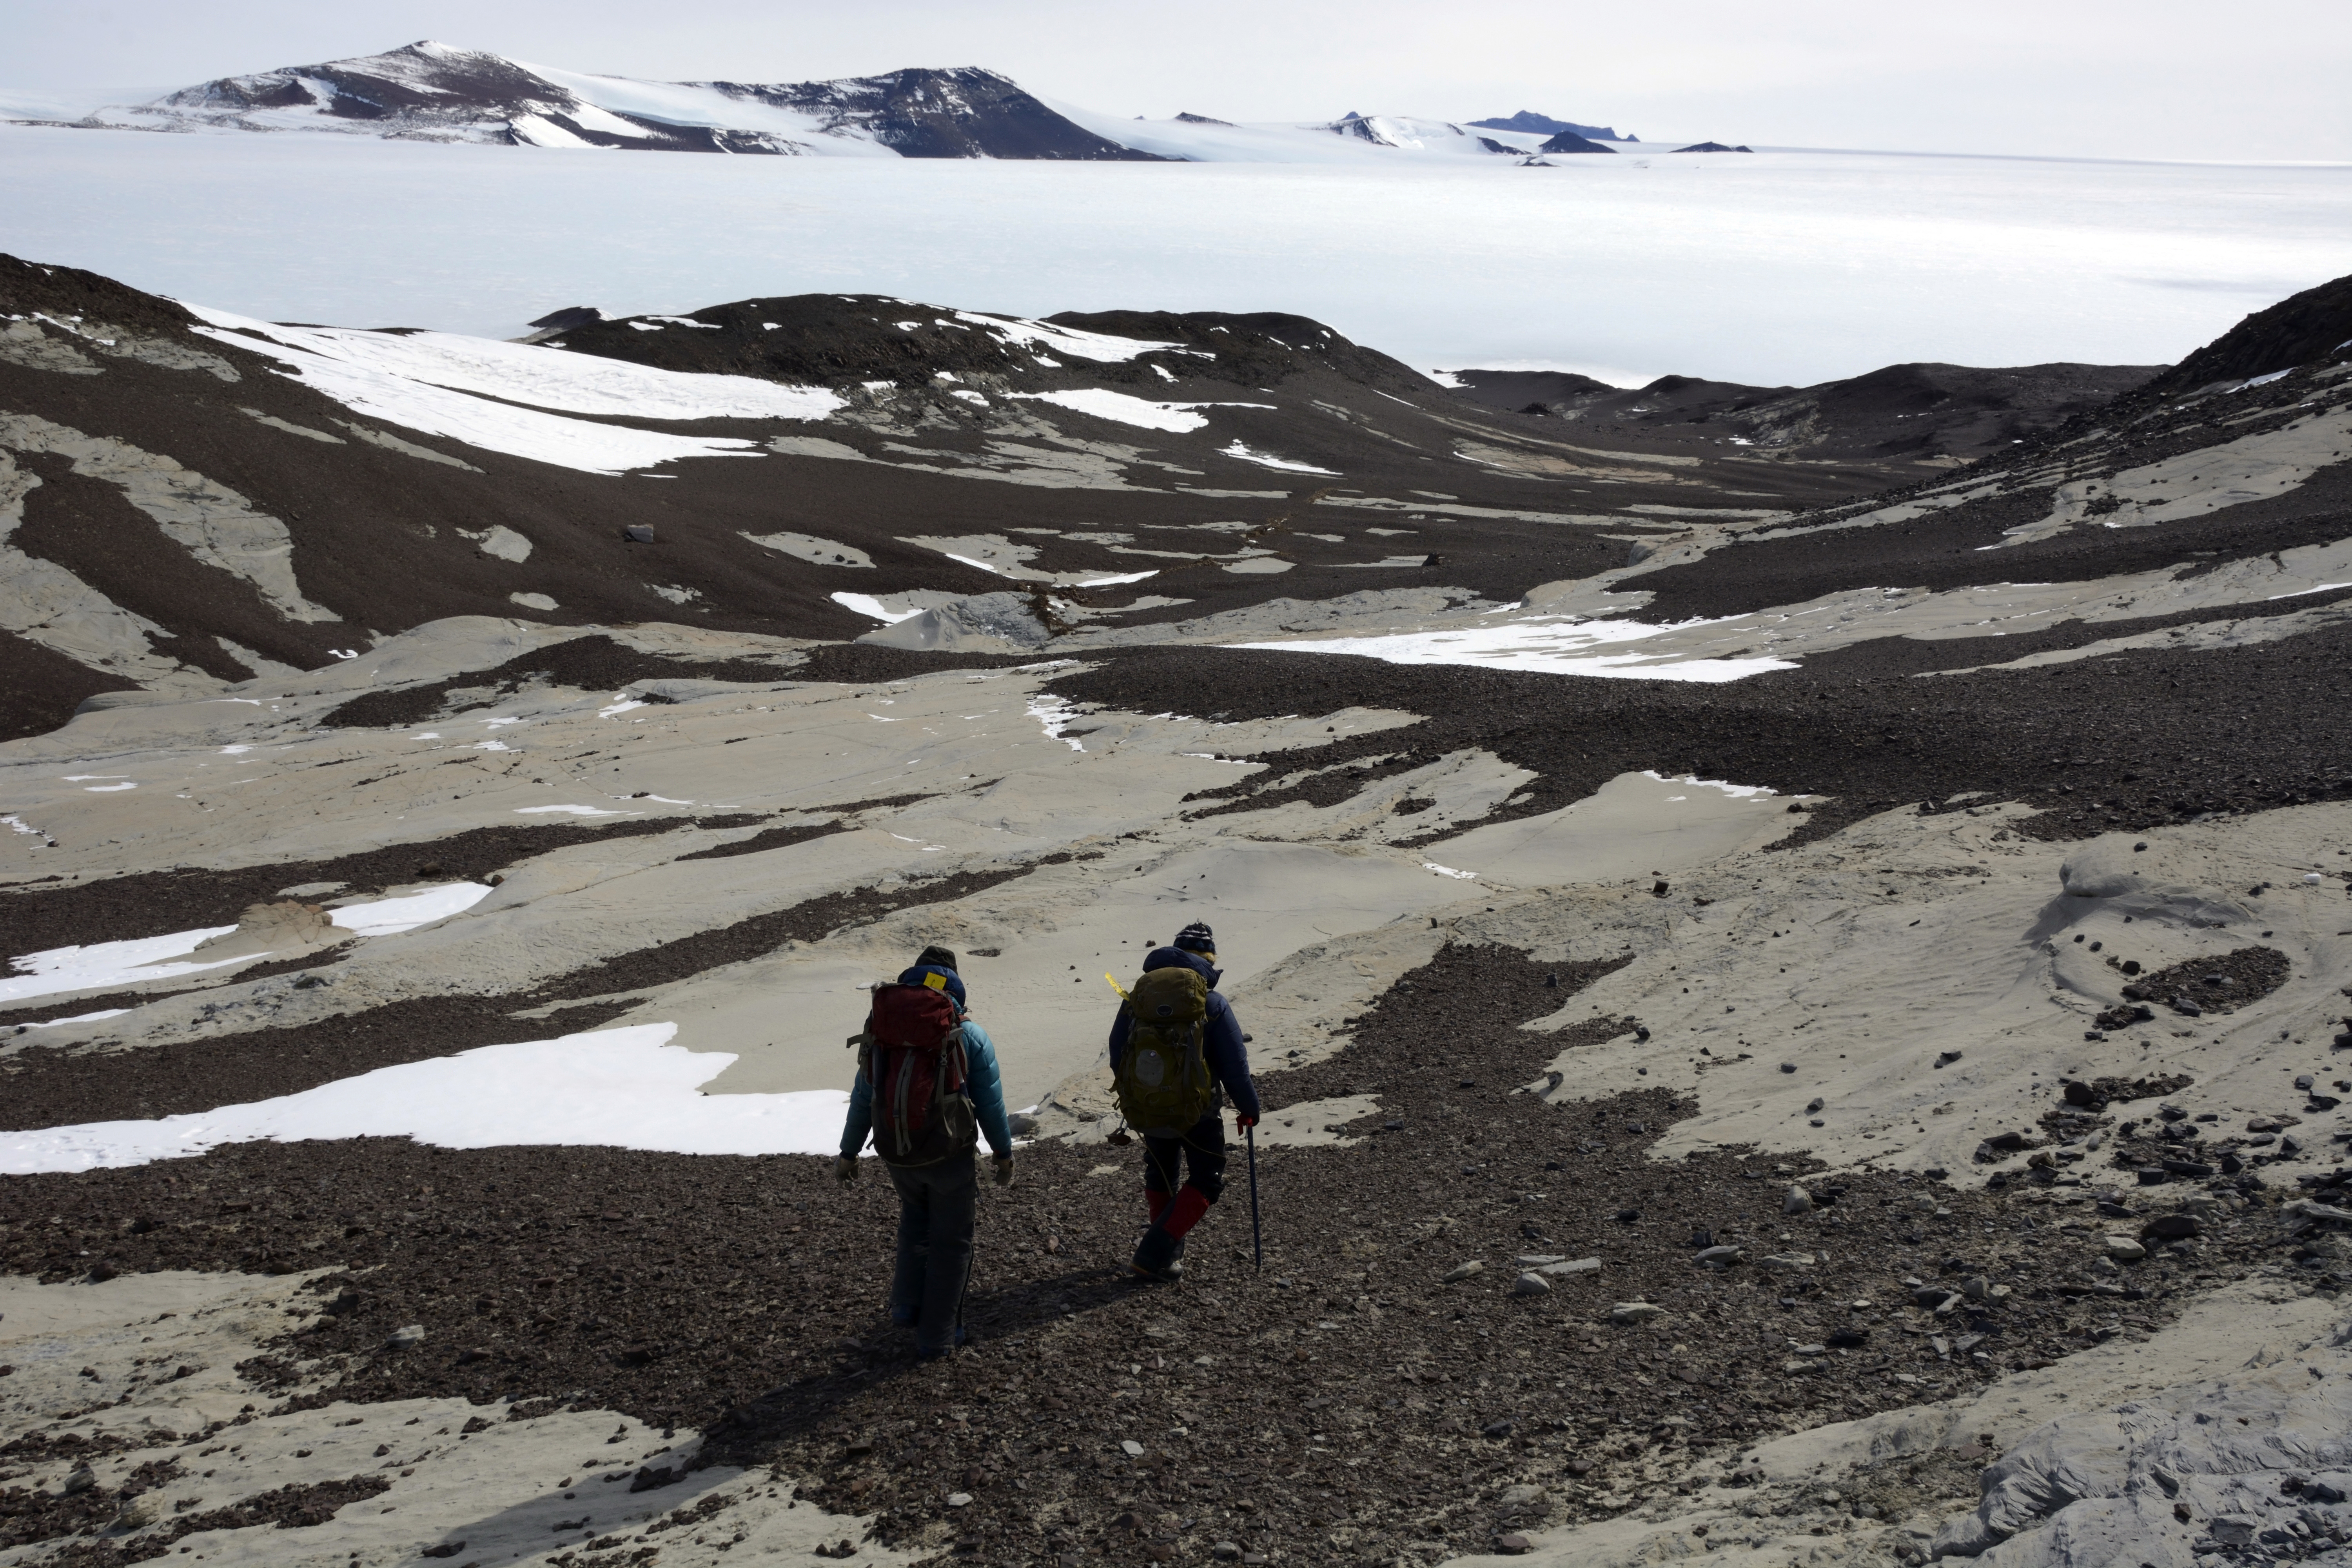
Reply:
x=428, y=380
x=628, y=1088
x=1779, y=267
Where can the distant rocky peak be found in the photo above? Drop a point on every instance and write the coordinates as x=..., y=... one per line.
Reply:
x=1529, y=120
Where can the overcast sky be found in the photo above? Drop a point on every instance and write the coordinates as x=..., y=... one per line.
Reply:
x=2161, y=78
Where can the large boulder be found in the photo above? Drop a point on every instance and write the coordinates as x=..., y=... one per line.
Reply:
x=985, y=623
x=2106, y=867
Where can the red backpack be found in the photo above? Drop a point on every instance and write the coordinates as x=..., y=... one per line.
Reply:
x=912, y=1054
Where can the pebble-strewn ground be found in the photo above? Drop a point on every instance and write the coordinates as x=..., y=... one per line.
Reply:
x=1346, y=1404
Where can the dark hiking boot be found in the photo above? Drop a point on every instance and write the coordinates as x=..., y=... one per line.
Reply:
x=1158, y=1256
x=963, y=1337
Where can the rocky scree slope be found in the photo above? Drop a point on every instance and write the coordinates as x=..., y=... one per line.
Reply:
x=193, y=504
x=1931, y=415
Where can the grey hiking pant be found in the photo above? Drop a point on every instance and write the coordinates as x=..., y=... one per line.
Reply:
x=938, y=1205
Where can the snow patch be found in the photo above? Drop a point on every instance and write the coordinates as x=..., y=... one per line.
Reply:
x=1176, y=417
x=1267, y=461
x=440, y=383
x=867, y=605
x=627, y=1089
x=1546, y=646
x=387, y=917
x=1100, y=347
x=102, y=965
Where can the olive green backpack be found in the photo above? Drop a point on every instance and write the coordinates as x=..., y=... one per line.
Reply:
x=1162, y=1081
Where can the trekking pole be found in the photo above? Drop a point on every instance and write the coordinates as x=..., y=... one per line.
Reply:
x=1257, y=1236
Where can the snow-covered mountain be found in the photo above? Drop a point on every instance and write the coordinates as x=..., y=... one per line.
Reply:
x=1351, y=137
x=431, y=92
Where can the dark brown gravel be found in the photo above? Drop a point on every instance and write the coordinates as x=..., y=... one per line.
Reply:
x=2223, y=985
x=812, y=920
x=288, y=1508
x=767, y=839
x=40, y=687
x=27, y=1515
x=591, y=663
x=743, y=1296
x=2111, y=744
x=55, y=913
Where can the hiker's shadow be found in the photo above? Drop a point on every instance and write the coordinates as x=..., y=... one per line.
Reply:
x=792, y=1410
x=1018, y=1307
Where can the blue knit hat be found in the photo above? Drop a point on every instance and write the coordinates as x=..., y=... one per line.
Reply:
x=939, y=977
x=1198, y=938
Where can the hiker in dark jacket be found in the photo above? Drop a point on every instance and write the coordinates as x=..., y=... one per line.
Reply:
x=938, y=1199
x=1200, y=1153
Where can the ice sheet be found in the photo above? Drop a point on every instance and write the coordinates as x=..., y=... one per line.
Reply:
x=2019, y=261
x=626, y=1089
x=1393, y=138
x=1546, y=645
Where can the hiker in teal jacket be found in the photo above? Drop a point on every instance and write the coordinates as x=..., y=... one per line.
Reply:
x=937, y=1201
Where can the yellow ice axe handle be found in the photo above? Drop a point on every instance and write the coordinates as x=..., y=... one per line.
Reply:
x=1117, y=987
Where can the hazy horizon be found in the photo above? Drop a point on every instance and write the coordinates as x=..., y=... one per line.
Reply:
x=2152, y=81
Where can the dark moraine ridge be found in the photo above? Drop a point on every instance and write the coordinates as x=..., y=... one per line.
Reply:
x=2096, y=744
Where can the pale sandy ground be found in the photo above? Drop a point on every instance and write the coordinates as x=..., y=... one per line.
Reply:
x=499, y=1491
x=1857, y=960
x=1018, y=776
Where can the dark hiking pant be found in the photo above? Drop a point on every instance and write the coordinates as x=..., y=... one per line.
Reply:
x=937, y=1206
x=1199, y=1154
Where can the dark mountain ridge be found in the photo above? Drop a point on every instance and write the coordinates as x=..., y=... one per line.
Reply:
x=841, y=340
x=1921, y=412
x=1570, y=142
x=1529, y=120
x=2302, y=329
x=1188, y=431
